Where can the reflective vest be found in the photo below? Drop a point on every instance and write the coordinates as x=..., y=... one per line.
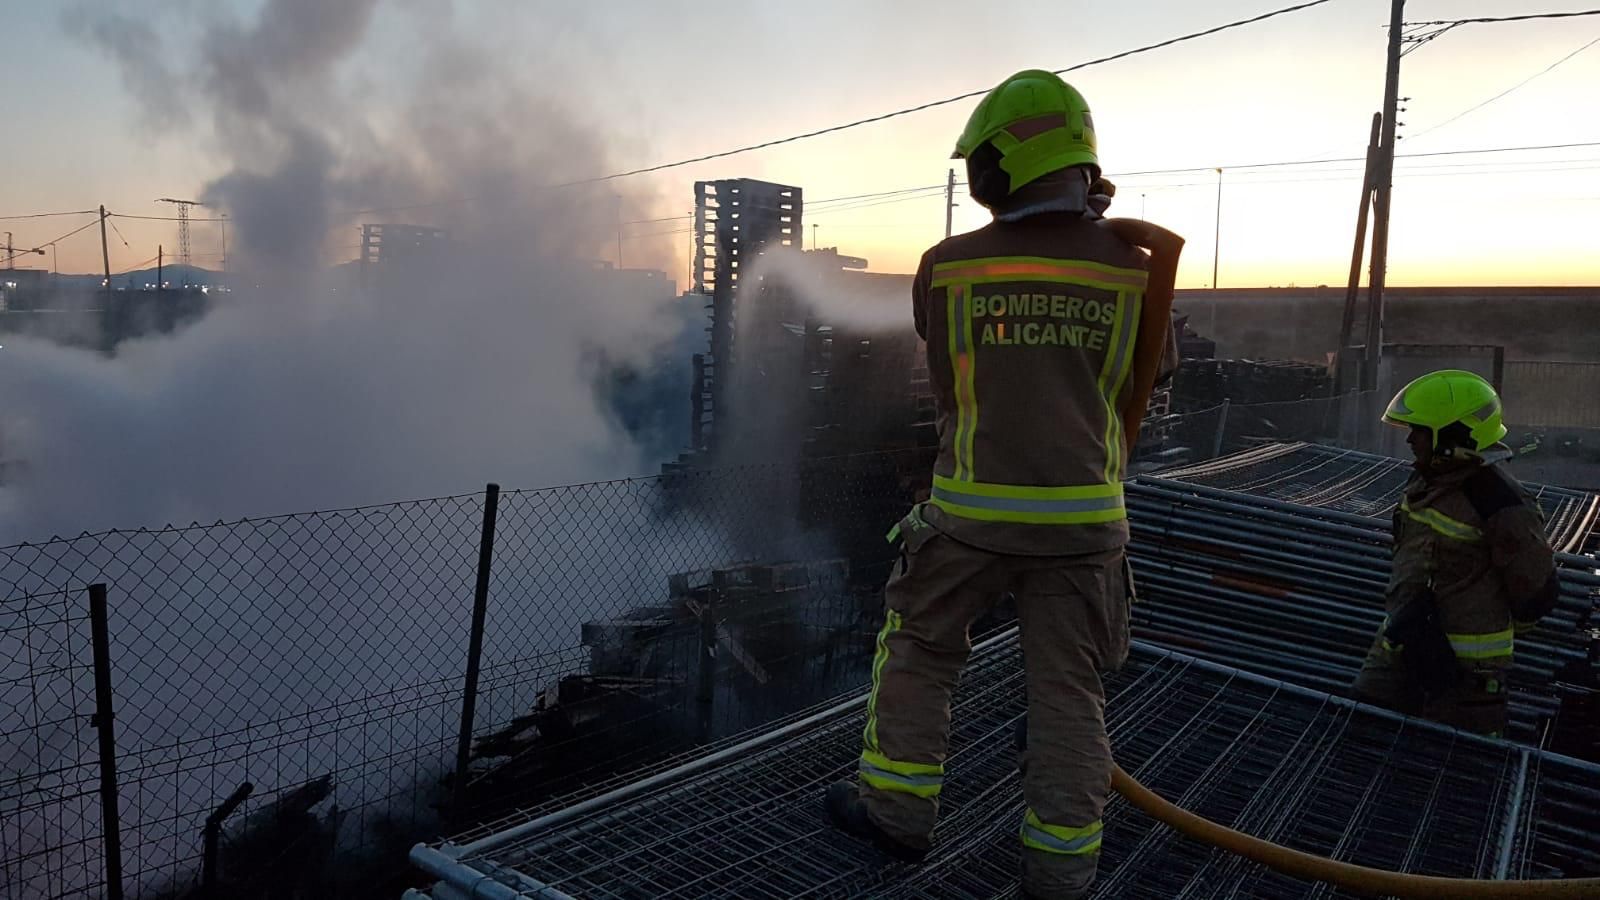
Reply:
x=1440, y=544
x=1030, y=357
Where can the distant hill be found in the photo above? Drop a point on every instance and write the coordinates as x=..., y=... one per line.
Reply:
x=174, y=275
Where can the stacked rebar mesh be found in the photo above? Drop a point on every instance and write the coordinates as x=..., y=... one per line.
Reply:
x=1284, y=571
x=1267, y=565
x=1282, y=762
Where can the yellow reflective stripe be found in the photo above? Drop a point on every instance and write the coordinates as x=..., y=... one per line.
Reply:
x=1118, y=450
x=970, y=370
x=1443, y=524
x=1104, y=379
x=1061, y=839
x=961, y=364
x=1028, y=491
x=1483, y=646
x=891, y=624
x=1114, y=374
x=1085, y=511
x=1038, y=268
x=885, y=774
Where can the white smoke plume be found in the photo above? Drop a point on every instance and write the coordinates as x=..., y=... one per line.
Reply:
x=299, y=391
x=302, y=390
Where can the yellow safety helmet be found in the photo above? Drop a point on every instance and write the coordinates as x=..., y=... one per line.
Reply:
x=1444, y=398
x=1038, y=123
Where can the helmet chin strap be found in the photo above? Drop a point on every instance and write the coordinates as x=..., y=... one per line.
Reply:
x=1452, y=457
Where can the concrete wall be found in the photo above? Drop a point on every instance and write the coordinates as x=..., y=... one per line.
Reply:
x=1303, y=323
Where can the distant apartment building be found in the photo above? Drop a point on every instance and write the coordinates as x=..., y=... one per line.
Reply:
x=736, y=222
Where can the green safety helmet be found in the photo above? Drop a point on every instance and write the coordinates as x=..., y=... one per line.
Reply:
x=1038, y=123
x=1444, y=398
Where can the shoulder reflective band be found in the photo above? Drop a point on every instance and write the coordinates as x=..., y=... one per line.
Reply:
x=1492, y=645
x=1036, y=268
x=885, y=774
x=1030, y=505
x=1438, y=521
x=958, y=321
x=1060, y=838
x=891, y=624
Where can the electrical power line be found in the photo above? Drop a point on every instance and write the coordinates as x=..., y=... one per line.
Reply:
x=49, y=215
x=1347, y=159
x=812, y=205
x=168, y=218
x=74, y=231
x=1489, y=20
x=1356, y=175
x=1472, y=109
x=946, y=101
x=137, y=265
x=723, y=154
x=118, y=231
x=858, y=202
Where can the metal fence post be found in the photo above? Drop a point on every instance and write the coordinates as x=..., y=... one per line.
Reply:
x=102, y=720
x=1222, y=429
x=480, y=604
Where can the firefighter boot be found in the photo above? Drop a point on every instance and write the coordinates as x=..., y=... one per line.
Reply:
x=848, y=812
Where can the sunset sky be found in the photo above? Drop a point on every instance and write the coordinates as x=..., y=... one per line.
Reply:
x=669, y=80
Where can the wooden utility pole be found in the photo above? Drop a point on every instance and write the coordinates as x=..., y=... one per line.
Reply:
x=1353, y=286
x=105, y=255
x=1382, y=188
x=11, y=255
x=160, y=259
x=949, y=202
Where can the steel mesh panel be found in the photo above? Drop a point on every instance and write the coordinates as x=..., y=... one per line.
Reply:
x=1314, y=773
x=1366, y=484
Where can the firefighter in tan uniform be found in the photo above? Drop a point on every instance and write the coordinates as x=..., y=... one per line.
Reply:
x=1472, y=565
x=1031, y=325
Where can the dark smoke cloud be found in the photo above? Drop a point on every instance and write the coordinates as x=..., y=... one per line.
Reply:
x=140, y=52
x=290, y=41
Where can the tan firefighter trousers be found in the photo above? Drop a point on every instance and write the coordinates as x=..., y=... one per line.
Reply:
x=1074, y=621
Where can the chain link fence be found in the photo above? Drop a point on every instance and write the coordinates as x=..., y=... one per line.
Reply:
x=50, y=813
x=321, y=659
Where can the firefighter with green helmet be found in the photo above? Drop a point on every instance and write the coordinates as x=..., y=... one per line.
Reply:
x=1472, y=564
x=1042, y=344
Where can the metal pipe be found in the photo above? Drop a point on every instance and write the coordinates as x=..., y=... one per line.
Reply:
x=443, y=863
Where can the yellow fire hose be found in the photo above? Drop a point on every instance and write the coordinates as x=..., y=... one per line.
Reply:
x=1345, y=875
